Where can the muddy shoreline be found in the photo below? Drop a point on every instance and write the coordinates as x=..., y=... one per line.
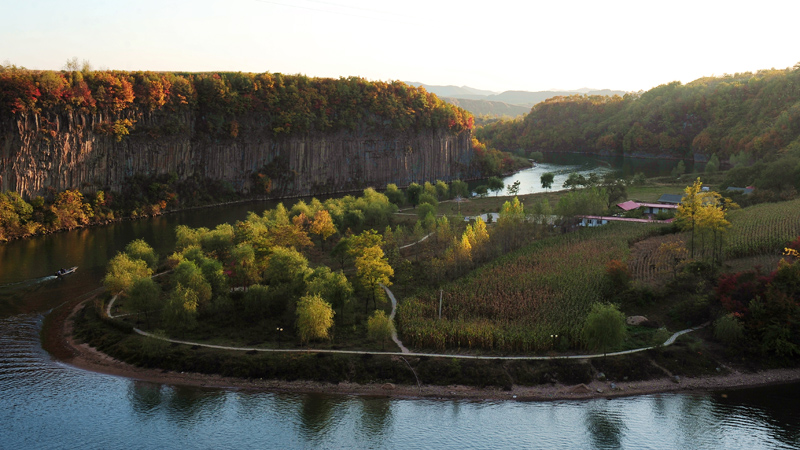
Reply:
x=58, y=340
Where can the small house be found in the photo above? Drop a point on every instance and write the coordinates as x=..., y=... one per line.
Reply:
x=596, y=221
x=672, y=199
x=742, y=190
x=648, y=208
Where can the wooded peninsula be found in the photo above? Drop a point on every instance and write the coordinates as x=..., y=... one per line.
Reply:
x=536, y=279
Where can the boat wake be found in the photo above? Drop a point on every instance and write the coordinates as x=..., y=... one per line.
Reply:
x=25, y=286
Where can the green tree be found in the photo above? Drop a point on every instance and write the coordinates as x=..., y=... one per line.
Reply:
x=314, y=318
x=394, y=194
x=143, y=296
x=180, y=311
x=459, y=188
x=616, y=190
x=139, y=249
x=256, y=302
x=429, y=199
x=413, y=191
x=604, y=327
x=122, y=271
x=679, y=169
x=442, y=190
x=286, y=265
x=188, y=275
x=496, y=185
x=372, y=269
x=575, y=180
x=333, y=286
x=513, y=189
x=425, y=209
x=712, y=165
x=547, y=180
x=380, y=327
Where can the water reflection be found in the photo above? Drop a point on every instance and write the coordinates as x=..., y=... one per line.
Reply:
x=185, y=405
x=605, y=426
x=145, y=398
x=319, y=416
x=375, y=419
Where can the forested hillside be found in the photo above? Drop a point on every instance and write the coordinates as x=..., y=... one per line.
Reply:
x=265, y=133
x=754, y=115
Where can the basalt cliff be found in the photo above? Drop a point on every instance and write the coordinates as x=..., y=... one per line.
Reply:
x=265, y=134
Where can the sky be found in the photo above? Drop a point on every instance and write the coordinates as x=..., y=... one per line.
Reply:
x=496, y=45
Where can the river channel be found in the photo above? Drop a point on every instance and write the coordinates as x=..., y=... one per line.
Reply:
x=47, y=404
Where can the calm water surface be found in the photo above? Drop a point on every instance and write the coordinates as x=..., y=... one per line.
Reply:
x=46, y=404
x=562, y=164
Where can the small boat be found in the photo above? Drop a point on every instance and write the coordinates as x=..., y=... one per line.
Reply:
x=63, y=272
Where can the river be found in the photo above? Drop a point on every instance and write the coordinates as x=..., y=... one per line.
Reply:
x=47, y=404
x=562, y=164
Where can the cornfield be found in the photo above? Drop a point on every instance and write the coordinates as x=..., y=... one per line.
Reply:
x=762, y=229
x=518, y=302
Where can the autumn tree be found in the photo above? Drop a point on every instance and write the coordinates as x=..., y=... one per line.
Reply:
x=70, y=210
x=671, y=257
x=704, y=212
x=372, y=270
x=242, y=268
x=314, y=318
x=322, y=225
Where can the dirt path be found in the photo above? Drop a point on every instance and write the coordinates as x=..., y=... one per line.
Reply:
x=85, y=357
x=403, y=350
x=391, y=317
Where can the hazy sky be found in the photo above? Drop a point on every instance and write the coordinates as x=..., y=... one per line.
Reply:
x=489, y=44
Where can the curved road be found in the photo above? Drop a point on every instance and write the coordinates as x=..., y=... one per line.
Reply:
x=403, y=350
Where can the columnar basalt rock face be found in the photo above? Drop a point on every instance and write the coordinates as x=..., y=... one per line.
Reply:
x=71, y=151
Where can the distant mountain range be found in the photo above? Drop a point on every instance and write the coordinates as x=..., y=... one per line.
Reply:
x=508, y=103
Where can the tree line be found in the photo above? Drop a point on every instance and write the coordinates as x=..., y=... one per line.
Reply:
x=285, y=104
x=756, y=114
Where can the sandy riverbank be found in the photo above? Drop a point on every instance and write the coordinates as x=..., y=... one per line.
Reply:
x=60, y=342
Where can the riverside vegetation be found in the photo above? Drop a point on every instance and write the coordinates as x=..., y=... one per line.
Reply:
x=309, y=277
x=90, y=146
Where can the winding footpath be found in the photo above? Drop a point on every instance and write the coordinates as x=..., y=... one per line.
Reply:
x=403, y=350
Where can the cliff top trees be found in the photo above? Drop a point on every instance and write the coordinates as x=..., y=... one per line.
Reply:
x=291, y=104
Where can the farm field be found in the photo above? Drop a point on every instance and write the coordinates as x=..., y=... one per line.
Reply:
x=517, y=303
x=757, y=237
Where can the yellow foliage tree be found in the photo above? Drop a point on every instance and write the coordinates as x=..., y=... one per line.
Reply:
x=314, y=318
x=373, y=269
